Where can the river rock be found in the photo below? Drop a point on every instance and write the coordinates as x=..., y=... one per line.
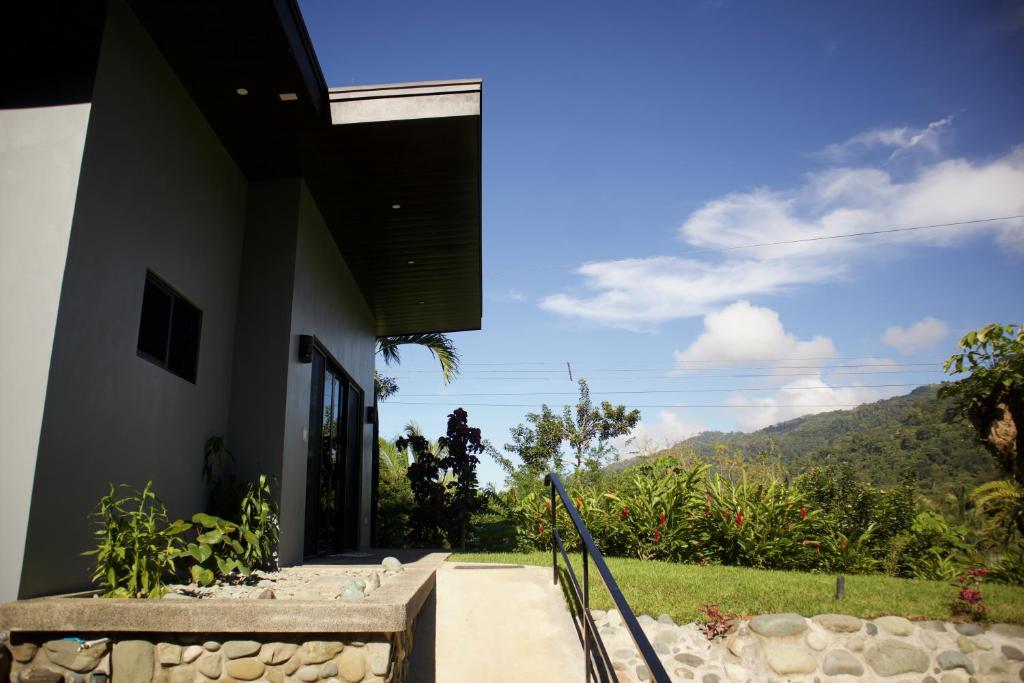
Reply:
x=372, y=583
x=245, y=669
x=838, y=623
x=352, y=664
x=951, y=659
x=182, y=674
x=666, y=619
x=392, y=565
x=40, y=675
x=236, y=649
x=891, y=657
x=897, y=626
x=790, y=659
x=168, y=654
x=319, y=651
x=1010, y=652
x=928, y=640
x=736, y=673
x=778, y=625
x=23, y=652
x=309, y=673
x=133, y=660
x=735, y=645
x=210, y=665
x=969, y=629
x=857, y=643
x=689, y=659
x=965, y=644
x=989, y=663
x=1009, y=630
x=328, y=670
x=871, y=629
x=982, y=643
x=211, y=646
x=937, y=626
x=191, y=653
x=816, y=641
x=277, y=653
x=66, y=653
x=710, y=678
x=378, y=658
x=839, y=662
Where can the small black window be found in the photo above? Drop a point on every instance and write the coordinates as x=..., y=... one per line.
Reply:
x=169, y=329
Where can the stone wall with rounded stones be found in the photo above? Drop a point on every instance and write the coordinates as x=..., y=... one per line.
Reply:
x=828, y=648
x=165, y=658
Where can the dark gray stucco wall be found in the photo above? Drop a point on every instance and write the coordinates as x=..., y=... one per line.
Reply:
x=158, y=191
x=259, y=379
x=328, y=304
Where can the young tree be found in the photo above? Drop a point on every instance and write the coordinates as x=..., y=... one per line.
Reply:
x=992, y=395
x=444, y=483
x=584, y=428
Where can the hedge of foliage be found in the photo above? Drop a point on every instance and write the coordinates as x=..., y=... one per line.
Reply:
x=825, y=520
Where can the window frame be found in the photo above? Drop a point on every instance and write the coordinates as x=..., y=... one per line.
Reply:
x=176, y=298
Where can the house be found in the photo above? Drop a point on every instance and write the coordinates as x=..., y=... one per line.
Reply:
x=199, y=238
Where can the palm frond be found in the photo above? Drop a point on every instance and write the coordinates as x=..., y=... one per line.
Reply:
x=440, y=346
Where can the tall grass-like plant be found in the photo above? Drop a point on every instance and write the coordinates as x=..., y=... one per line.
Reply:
x=259, y=524
x=135, y=544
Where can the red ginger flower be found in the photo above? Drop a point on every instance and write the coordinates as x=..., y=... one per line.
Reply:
x=661, y=519
x=803, y=513
x=739, y=517
x=657, y=535
x=540, y=528
x=624, y=514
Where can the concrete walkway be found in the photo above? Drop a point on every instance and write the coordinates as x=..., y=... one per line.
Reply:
x=503, y=625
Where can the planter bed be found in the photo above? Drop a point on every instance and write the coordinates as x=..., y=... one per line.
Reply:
x=315, y=628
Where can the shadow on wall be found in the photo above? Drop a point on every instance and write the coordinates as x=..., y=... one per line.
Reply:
x=422, y=667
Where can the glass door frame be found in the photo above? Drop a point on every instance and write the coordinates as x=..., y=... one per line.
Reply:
x=346, y=478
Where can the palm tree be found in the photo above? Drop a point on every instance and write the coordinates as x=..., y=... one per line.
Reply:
x=1001, y=502
x=440, y=346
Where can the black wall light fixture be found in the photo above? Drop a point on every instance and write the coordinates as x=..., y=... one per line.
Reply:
x=305, y=348
x=371, y=414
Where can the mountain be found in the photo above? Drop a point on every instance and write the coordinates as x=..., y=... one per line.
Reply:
x=918, y=432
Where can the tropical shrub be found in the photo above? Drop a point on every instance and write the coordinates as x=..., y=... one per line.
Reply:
x=444, y=483
x=217, y=550
x=259, y=524
x=135, y=543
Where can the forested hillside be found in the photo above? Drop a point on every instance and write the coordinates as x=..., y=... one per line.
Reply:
x=919, y=433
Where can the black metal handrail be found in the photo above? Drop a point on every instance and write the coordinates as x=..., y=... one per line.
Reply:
x=598, y=663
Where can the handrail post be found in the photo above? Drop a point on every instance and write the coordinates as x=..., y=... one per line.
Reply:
x=586, y=615
x=554, y=549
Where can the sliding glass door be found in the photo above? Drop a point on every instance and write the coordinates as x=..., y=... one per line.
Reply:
x=333, y=460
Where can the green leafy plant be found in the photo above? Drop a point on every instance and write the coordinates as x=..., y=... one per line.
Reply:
x=135, y=544
x=259, y=524
x=217, y=550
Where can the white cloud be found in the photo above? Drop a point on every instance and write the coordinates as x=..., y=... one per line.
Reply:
x=900, y=140
x=512, y=294
x=924, y=334
x=667, y=428
x=804, y=396
x=744, y=332
x=639, y=293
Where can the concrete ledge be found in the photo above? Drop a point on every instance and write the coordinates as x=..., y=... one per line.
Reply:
x=391, y=608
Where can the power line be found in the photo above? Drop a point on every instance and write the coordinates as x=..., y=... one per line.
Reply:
x=674, y=368
x=664, y=391
x=703, y=360
x=884, y=231
x=638, y=405
x=517, y=378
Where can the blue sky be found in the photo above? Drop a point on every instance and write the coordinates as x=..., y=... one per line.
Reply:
x=629, y=148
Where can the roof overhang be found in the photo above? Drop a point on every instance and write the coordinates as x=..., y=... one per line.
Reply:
x=361, y=150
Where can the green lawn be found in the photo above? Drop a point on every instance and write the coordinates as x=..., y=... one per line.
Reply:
x=677, y=589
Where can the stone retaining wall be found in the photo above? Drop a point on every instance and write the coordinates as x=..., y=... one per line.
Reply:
x=827, y=648
x=193, y=658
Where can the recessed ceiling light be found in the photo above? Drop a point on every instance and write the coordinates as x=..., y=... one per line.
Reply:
x=288, y=96
x=396, y=206
x=411, y=262
x=422, y=302
x=242, y=91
